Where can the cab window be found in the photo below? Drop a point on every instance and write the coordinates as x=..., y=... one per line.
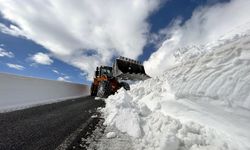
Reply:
x=106, y=71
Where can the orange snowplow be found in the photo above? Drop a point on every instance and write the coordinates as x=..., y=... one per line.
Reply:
x=108, y=79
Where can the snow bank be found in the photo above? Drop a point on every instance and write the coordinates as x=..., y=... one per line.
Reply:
x=17, y=92
x=202, y=103
x=141, y=114
x=222, y=74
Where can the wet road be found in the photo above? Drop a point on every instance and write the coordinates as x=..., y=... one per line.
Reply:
x=44, y=127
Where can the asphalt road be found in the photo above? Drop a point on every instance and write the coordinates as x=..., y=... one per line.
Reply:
x=44, y=127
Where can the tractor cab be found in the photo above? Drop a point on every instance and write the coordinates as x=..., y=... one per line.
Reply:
x=104, y=70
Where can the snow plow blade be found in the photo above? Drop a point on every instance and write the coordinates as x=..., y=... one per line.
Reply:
x=129, y=69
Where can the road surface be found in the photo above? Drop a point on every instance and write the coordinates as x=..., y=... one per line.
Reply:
x=45, y=127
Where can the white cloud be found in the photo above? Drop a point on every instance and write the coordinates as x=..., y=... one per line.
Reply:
x=64, y=78
x=5, y=53
x=71, y=29
x=55, y=71
x=83, y=74
x=42, y=58
x=60, y=73
x=15, y=66
x=12, y=30
x=206, y=25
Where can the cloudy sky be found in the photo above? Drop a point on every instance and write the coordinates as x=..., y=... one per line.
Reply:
x=66, y=40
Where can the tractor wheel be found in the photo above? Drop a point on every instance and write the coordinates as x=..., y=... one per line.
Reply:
x=93, y=90
x=104, y=89
x=125, y=85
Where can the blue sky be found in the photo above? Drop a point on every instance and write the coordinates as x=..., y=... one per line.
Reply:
x=23, y=49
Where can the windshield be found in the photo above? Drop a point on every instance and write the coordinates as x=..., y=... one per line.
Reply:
x=106, y=71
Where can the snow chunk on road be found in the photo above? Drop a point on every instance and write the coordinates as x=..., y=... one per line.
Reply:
x=111, y=135
x=123, y=114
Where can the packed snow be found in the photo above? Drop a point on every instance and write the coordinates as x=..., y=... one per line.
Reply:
x=111, y=135
x=18, y=92
x=203, y=102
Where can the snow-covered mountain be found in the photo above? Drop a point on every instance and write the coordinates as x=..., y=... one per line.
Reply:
x=203, y=102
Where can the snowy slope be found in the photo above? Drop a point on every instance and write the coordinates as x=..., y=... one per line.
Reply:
x=201, y=103
x=18, y=92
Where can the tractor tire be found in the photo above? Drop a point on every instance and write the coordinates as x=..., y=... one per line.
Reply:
x=93, y=90
x=104, y=89
x=125, y=85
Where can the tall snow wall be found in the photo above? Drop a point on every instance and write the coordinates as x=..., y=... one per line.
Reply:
x=223, y=74
x=18, y=92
